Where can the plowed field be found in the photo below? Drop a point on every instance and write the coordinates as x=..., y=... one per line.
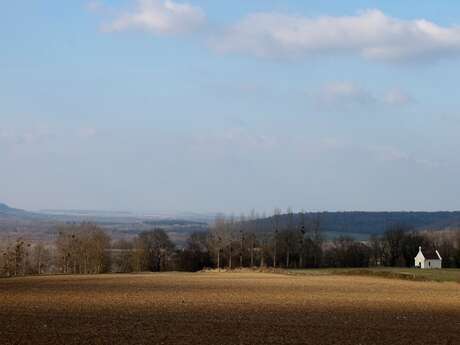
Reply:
x=227, y=308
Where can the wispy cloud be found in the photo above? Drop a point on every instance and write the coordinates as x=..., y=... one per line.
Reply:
x=158, y=17
x=95, y=6
x=391, y=154
x=346, y=94
x=339, y=94
x=370, y=34
x=34, y=135
x=397, y=97
x=42, y=134
x=86, y=133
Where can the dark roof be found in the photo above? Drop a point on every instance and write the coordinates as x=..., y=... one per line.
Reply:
x=430, y=254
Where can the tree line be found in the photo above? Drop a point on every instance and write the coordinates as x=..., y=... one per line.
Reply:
x=246, y=242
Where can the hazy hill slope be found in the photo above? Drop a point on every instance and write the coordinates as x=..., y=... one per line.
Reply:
x=356, y=224
x=9, y=212
x=374, y=222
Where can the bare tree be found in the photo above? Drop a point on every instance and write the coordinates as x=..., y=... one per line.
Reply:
x=251, y=237
x=377, y=250
x=156, y=246
x=276, y=220
x=125, y=256
x=41, y=258
x=218, y=239
x=290, y=237
x=83, y=249
x=243, y=224
x=196, y=254
x=302, y=232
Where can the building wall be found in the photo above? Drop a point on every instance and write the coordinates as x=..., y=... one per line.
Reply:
x=433, y=264
x=419, y=260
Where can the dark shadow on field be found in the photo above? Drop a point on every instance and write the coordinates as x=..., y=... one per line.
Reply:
x=229, y=326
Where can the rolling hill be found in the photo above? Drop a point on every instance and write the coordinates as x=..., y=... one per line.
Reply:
x=364, y=224
x=360, y=225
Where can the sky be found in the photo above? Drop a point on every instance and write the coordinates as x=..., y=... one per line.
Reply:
x=228, y=106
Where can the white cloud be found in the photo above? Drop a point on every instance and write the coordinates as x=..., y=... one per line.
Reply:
x=343, y=94
x=370, y=34
x=397, y=97
x=159, y=17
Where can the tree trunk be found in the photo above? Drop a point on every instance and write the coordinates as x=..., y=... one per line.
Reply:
x=230, y=258
x=218, y=259
x=241, y=250
x=39, y=261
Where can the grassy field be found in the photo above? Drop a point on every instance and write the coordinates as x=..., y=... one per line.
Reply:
x=227, y=308
x=439, y=275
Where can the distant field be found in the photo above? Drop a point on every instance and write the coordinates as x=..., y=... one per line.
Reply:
x=439, y=275
x=227, y=309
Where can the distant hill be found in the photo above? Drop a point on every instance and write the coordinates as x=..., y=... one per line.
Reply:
x=7, y=211
x=43, y=224
x=356, y=224
x=363, y=224
x=17, y=222
x=4, y=208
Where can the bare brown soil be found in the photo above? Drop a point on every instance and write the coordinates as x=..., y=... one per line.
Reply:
x=227, y=308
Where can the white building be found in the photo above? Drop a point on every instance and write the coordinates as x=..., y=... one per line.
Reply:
x=428, y=259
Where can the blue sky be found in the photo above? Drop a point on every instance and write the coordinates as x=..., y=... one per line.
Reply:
x=228, y=106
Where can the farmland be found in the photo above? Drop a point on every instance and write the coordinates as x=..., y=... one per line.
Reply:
x=227, y=308
x=439, y=275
